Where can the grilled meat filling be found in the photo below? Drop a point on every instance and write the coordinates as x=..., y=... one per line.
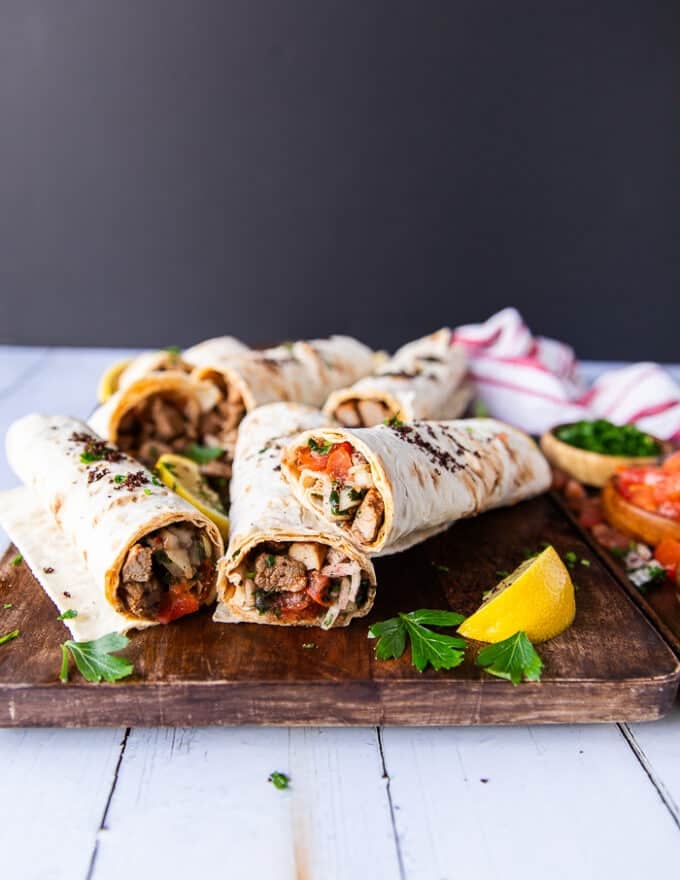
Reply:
x=339, y=482
x=305, y=582
x=168, y=573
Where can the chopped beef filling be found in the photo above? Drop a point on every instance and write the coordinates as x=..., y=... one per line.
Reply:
x=338, y=481
x=161, y=424
x=156, y=425
x=168, y=573
x=303, y=582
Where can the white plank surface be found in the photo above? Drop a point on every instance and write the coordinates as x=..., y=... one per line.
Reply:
x=54, y=785
x=190, y=801
x=558, y=802
x=658, y=747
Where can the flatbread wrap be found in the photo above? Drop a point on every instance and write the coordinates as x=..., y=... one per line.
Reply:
x=424, y=379
x=391, y=486
x=301, y=372
x=284, y=565
x=172, y=412
x=132, y=553
x=173, y=358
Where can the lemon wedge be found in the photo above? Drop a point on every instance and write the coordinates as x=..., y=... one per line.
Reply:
x=537, y=598
x=183, y=476
x=108, y=384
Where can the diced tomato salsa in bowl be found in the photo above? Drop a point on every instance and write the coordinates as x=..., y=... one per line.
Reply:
x=655, y=489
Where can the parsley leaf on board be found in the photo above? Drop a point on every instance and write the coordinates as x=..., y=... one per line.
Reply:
x=9, y=636
x=68, y=614
x=391, y=636
x=279, y=780
x=202, y=454
x=18, y=559
x=95, y=660
x=514, y=658
x=427, y=647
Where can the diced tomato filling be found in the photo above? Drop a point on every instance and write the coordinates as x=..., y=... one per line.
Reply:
x=337, y=461
x=306, y=458
x=319, y=589
x=177, y=602
x=295, y=606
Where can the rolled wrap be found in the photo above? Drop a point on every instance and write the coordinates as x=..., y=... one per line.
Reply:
x=427, y=474
x=303, y=372
x=211, y=350
x=191, y=397
x=263, y=509
x=422, y=380
x=172, y=359
x=81, y=519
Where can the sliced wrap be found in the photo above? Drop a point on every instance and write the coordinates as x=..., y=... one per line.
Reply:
x=422, y=380
x=170, y=412
x=388, y=487
x=303, y=372
x=100, y=534
x=284, y=565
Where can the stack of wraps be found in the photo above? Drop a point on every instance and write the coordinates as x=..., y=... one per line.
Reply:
x=389, y=487
x=422, y=380
x=99, y=533
x=284, y=565
x=169, y=411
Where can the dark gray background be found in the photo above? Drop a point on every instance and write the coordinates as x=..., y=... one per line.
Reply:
x=172, y=170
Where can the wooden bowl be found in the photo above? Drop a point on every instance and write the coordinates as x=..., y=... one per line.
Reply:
x=591, y=468
x=641, y=524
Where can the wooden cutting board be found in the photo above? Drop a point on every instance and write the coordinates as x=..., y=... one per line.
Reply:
x=611, y=665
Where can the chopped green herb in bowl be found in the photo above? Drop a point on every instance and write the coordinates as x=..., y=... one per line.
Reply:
x=608, y=439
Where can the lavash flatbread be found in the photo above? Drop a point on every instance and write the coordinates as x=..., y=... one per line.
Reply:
x=172, y=359
x=216, y=349
x=428, y=474
x=263, y=509
x=75, y=518
x=424, y=379
x=303, y=372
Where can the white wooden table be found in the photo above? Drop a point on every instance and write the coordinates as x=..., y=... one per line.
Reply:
x=524, y=802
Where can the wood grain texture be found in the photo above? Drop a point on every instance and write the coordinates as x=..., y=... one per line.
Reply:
x=526, y=802
x=611, y=664
x=55, y=786
x=209, y=786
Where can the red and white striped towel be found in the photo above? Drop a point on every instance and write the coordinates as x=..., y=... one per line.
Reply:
x=533, y=382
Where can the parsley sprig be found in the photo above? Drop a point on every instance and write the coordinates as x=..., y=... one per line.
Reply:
x=319, y=448
x=514, y=658
x=95, y=660
x=428, y=647
x=69, y=614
